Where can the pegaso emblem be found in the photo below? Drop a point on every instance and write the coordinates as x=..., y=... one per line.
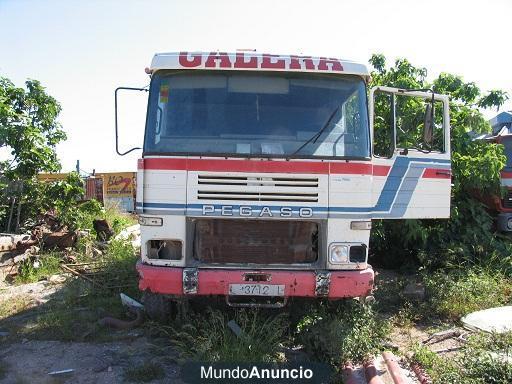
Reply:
x=248, y=211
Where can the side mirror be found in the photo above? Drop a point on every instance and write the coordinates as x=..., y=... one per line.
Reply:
x=428, y=124
x=116, y=125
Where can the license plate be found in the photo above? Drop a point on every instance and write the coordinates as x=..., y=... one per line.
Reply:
x=256, y=290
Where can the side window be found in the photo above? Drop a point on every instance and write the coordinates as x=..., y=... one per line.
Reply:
x=404, y=121
x=383, y=123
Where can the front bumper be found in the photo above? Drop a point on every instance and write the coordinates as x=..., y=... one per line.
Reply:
x=206, y=281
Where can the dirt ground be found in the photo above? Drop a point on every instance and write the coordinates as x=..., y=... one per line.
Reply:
x=31, y=361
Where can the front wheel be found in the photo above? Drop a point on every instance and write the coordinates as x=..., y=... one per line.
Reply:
x=158, y=307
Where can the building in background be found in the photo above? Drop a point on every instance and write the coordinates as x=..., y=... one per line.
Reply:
x=501, y=122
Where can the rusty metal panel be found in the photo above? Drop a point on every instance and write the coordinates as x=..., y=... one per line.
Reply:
x=255, y=241
x=90, y=188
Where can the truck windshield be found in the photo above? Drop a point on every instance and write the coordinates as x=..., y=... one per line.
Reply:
x=257, y=115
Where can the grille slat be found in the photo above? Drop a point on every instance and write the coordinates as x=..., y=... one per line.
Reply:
x=258, y=188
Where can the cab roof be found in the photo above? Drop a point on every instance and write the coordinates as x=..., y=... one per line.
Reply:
x=255, y=61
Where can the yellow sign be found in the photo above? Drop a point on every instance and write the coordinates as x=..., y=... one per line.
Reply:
x=49, y=177
x=118, y=184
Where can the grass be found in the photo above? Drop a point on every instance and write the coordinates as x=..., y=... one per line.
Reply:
x=117, y=219
x=207, y=337
x=342, y=332
x=14, y=305
x=48, y=264
x=75, y=316
x=453, y=295
x=449, y=296
x=73, y=313
x=482, y=361
x=144, y=373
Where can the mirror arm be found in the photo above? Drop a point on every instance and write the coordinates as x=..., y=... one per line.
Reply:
x=115, y=112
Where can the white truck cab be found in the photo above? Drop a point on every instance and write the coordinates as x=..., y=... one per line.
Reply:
x=260, y=175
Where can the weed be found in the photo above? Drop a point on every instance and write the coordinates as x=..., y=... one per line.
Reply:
x=348, y=332
x=441, y=370
x=406, y=315
x=48, y=264
x=455, y=294
x=117, y=219
x=207, y=337
x=144, y=373
x=13, y=305
x=483, y=360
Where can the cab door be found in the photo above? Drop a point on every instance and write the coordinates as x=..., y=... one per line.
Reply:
x=411, y=154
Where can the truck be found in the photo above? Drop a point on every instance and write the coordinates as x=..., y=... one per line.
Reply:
x=500, y=206
x=261, y=174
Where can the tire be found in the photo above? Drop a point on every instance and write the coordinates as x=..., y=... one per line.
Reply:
x=158, y=307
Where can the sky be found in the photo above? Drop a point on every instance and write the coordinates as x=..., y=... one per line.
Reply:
x=82, y=50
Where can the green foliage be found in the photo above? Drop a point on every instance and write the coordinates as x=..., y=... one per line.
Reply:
x=468, y=237
x=478, y=168
x=484, y=360
x=48, y=264
x=28, y=129
x=208, y=338
x=118, y=220
x=29, y=133
x=453, y=295
x=63, y=198
x=495, y=98
x=350, y=332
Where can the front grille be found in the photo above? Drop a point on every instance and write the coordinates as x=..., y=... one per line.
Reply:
x=255, y=241
x=249, y=188
x=507, y=200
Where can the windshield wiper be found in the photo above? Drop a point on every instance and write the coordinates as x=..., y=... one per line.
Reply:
x=315, y=137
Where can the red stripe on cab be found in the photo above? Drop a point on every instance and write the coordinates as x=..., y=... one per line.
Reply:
x=263, y=166
x=436, y=173
x=506, y=175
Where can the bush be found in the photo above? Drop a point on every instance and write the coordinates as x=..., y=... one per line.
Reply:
x=349, y=332
x=455, y=294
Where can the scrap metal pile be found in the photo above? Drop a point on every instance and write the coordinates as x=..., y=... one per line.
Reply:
x=48, y=233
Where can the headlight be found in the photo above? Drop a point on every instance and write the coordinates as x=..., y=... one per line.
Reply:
x=339, y=254
x=151, y=221
x=509, y=224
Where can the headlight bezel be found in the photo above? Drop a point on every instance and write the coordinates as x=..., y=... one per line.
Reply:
x=151, y=221
x=345, y=259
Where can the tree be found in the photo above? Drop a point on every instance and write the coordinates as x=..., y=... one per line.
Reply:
x=468, y=235
x=29, y=133
x=29, y=130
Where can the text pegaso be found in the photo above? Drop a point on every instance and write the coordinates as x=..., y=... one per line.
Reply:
x=247, y=211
